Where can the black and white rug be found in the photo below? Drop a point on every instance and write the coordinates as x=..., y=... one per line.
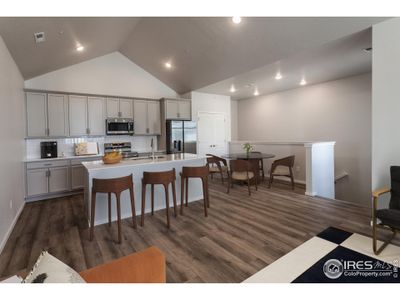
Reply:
x=334, y=256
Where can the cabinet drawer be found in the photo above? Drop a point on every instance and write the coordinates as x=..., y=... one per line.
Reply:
x=47, y=164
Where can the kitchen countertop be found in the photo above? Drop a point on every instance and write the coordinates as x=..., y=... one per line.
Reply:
x=165, y=158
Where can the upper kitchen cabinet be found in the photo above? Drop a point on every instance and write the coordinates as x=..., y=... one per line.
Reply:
x=47, y=115
x=177, y=109
x=96, y=115
x=119, y=108
x=78, y=115
x=147, y=117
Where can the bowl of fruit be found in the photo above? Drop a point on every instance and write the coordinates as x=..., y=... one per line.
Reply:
x=112, y=158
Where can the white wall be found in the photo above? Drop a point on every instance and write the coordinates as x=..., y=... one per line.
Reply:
x=111, y=74
x=385, y=100
x=12, y=132
x=234, y=120
x=332, y=111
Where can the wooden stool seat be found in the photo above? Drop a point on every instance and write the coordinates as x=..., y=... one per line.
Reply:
x=165, y=178
x=112, y=186
x=195, y=172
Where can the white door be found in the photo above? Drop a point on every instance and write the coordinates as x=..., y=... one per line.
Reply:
x=77, y=177
x=140, y=117
x=57, y=111
x=126, y=108
x=153, y=117
x=58, y=179
x=172, y=108
x=77, y=115
x=36, y=181
x=112, y=108
x=211, y=128
x=185, y=110
x=96, y=115
x=36, y=114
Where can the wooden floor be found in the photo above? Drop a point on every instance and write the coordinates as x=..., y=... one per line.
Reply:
x=240, y=236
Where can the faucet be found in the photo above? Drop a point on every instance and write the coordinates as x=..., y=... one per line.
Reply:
x=152, y=148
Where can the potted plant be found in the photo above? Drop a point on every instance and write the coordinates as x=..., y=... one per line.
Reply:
x=248, y=147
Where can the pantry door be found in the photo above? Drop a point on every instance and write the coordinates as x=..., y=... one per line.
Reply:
x=211, y=128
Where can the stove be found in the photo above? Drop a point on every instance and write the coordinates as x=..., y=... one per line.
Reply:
x=125, y=148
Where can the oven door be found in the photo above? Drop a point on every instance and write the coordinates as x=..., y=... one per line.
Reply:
x=117, y=127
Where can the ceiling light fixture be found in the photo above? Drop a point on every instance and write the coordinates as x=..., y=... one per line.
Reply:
x=236, y=19
x=80, y=48
x=278, y=76
x=232, y=89
x=256, y=93
x=168, y=65
x=303, y=82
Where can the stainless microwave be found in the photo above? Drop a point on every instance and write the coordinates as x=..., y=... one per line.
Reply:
x=119, y=126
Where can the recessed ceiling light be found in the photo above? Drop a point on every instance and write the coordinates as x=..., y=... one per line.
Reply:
x=256, y=93
x=168, y=65
x=278, y=76
x=80, y=48
x=232, y=89
x=303, y=82
x=236, y=19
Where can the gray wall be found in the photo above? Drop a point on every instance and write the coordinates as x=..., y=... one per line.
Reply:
x=332, y=111
x=385, y=100
x=12, y=132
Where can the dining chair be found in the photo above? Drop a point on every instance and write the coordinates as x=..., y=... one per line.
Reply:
x=282, y=167
x=241, y=170
x=217, y=164
x=260, y=163
x=386, y=218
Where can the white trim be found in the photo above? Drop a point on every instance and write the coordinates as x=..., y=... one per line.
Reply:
x=295, y=143
x=5, y=239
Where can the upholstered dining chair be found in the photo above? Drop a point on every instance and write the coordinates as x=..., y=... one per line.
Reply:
x=241, y=170
x=261, y=164
x=282, y=167
x=387, y=218
x=218, y=165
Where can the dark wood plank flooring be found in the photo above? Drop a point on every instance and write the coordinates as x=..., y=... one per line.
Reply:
x=240, y=236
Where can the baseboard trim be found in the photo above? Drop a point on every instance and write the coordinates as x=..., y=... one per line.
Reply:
x=5, y=239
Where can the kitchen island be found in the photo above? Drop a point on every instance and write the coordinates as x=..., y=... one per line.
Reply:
x=136, y=166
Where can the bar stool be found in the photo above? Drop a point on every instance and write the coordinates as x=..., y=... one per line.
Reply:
x=112, y=186
x=164, y=178
x=195, y=172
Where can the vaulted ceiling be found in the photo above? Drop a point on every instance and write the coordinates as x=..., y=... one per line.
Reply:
x=202, y=51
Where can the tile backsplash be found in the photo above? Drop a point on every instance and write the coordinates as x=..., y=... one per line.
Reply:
x=66, y=145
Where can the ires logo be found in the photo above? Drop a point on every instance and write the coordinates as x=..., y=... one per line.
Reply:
x=358, y=265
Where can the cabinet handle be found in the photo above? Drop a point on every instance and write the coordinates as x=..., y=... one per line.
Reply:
x=49, y=173
x=179, y=115
x=47, y=131
x=119, y=114
x=147, y=130
x=88, y=130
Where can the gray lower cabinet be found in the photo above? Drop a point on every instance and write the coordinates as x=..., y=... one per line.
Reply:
x=58, y=179
x=77, y=177
x=37, y=182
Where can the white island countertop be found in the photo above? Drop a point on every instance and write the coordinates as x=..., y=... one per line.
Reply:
x=137, y=161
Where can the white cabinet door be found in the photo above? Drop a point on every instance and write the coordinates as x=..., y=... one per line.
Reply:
x=140, y=117
x=58, y=179
x=96, y=115
x=77, y=115
x=185, y=110
x=57, y=112
x=172, y=109
x=153, y=117
x=36, y=111
x=112, y=108
x=126, y=108
x=77, y=177
x=36, y=182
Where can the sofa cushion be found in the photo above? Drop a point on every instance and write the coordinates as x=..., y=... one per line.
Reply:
x=49, y=269
x=147, y=266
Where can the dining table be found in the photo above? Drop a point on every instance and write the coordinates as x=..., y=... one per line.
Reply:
x=253, y=158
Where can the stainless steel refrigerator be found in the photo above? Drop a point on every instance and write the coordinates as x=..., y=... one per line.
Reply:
x=181, y=137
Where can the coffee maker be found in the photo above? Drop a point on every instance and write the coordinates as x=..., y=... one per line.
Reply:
x=48, y=149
